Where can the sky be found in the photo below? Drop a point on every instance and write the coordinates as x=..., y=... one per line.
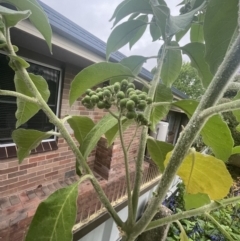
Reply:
x=94, y=15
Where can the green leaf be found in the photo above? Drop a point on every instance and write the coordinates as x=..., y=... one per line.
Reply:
x=27, y=140
x=155, y=31
x=172, y=65
x=38, y=18
x=20, y=60
x=196, y=52
x=96, y=74
x=195, y=200
x=196, y=3
x=133, y=6
x=214, y=131
x=162, y=94
x=55, y=216
x=81, y=126
x=134, y=63
x=196, y=33
x=133, y=16
x=158, y=151
x=208, y=175
x=12, y=17
x=90, y=141
x=27, y=110
x=140, y=32
x=123, y=34
x=236, y=150
x=178, y=23
x=117, y=9
x=161, y=13
x=183, y=236
x=181, y=34
x=219, y=26
x=113, y=133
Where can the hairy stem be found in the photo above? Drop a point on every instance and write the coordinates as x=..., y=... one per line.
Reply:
x=23, y=74
x=135, y=133
x=18, y=95
x=194, y=212
x=224, y=75
x=219, y=227
x=143, y=139
x=125, y=153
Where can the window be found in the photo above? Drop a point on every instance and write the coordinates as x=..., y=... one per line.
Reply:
x=8, y=104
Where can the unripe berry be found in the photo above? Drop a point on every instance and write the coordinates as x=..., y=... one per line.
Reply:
x=94, y=99
x=142, y=105
x=130, y=104
x=92, y=93
x=129, y=90
x=142, y=96
x=101, y=105
x=106, y=93
x=149, y=100
x=131, y=115
x=100, y=95
x=86, y=99
x=88, y=91
x=134, y=98
x=123, y=103
x=120, y=95
x=107, y=105
x=130, y=85
x=116, y=87
x=98, y=90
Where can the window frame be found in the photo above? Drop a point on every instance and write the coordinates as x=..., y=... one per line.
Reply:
x=59, y=93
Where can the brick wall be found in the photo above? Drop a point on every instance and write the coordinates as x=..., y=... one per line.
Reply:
x=22, y=187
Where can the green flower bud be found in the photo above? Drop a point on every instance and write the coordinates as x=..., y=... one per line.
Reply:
x=130, y=104
x=131, y=115
x=123, y=103
x=131, y=85
x=101, y=105
x=106, y=93
x=142, y=105
x=149, y=100
x=120, y=95
x=94, y=99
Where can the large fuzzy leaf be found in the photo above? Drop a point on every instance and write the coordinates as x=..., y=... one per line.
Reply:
x=27, y=110
x=12, y=17
x=38, y=18
x=122, y=35
x=196, y=33
x=90, y=141
x=204, y=174
x=214, y=131
x=96, y=74
x=81, y=126
x=55, y=216
x=172, y=65
x=219, y=26
x=181, y=22
x=195, y=200
x=155, y=31
x=158, y=151
x=163, y=94
x=140, y=32
x=133, y=6
x=27, y=140
x=196, y=52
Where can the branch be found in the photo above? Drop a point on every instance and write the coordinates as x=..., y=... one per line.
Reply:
x=22, y=72
x=224, y=75
x=219, y=227
x=53, y=133
x=234, y=86
x=18, y=95
x=130, y=208
x=194, y=212
x=230, y=106
x=143, y=138
x=115, y=116
x=133, y=138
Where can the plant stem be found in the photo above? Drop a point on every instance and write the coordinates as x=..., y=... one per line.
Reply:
x=219, y=227
x=143, y=139
x=135, y=133
x=194, y=212
x=18, y=95
x=224, y=75
x=125, y=153
x=155, y=104
x=23, y=74
x=230, y=106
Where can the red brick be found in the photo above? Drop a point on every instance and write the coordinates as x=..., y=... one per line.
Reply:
x=36, y=159
x=9, y=170
x=28, y=166
x=8, y=181
x=51, y=174
x=25, y=177
x=16, y=174
x=52, y=156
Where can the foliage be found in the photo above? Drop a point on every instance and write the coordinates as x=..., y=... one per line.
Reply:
x=189, y=82
x=200, y=228
x=214, y=52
